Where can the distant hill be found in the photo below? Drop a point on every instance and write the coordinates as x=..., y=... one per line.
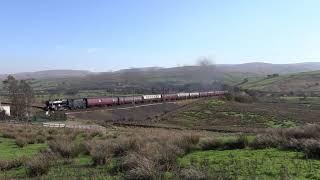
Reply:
x=247, y=69
x=305, y=81
x=158, y=78
x=268, y=68
x=49, y=74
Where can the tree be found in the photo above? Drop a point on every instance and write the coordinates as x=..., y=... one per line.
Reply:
x=20, y=95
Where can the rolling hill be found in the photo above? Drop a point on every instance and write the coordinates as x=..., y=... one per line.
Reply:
x=305, y=81
x=49, y=74
x=186, y=77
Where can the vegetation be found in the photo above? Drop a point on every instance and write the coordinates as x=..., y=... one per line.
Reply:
x=300, y=82
x=230, y=114
x=250, y=164
x=21, y=97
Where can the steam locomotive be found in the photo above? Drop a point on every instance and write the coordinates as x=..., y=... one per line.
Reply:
x=83, y=103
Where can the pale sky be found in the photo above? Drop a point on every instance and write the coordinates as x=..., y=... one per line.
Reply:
x=103, y=35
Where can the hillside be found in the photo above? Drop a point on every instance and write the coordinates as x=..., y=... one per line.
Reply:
x=223, y=71
x=157, y=79
x=268, y=68
x=49, y=74
x=305, y=81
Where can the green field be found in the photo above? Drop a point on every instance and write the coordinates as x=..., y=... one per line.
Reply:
x=299, y=82
x=10, y=150
x=214, y=112
x=252, y=164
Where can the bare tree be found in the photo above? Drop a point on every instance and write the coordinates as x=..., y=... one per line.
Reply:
x=20, y=95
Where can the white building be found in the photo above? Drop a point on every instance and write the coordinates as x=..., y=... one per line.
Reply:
x=6, y=109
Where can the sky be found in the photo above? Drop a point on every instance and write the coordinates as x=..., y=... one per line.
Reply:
x=105, y=35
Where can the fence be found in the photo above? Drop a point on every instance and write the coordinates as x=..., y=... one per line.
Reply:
x=85, y=127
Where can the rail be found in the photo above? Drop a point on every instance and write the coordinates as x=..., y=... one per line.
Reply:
x=84, y=127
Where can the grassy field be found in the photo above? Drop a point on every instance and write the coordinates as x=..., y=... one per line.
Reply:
x=10, y=150
x=300, y=82
x=217, y=113
x=127, y=153
x=252, y=164
x=278, y=148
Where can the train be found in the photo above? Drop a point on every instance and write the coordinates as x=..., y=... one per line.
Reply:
x=84, y=103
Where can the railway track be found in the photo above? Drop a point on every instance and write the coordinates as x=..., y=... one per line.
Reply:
x=117, y=108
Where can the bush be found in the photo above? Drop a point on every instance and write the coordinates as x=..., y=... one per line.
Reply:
x=52, y=131
x=8, y=134
x=210, y=144
x=139, y=167
x=187, y=142
x=6, y=165
x=65, y=147
x=292, y=144
x=311, y=148
x=238, y=143
x=192, y=174
x=40, y=139
x=21, y=142
x=39, y=164
x=101, y=152
x=244, y=99
x=270, y=140
x=228, y=144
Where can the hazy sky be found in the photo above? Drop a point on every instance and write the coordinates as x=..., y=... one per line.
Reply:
x=102, y=35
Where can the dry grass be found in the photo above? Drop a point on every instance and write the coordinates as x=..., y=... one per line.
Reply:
x=10, y=164
x=305, y=139
x=65, y=147
x=39, y=164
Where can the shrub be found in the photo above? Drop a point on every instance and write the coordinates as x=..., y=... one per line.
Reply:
x=10, y=135
x=39, y=164
x=52, y=131
x=6, y=165
x=101, y=152
x=311, y=148
x=40, y=139
x=187, y=142
x=139, y=167
x=292, y=144
x=192, y=174
x=21, y=142
x=65, y=147
x=306, y=132
x=95, y=133
x=168, y=155
x=244, y=99
x=238, y=143
x=270, y=140
x=210, y=144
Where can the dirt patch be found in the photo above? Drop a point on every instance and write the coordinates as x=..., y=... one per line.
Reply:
x=141, y=113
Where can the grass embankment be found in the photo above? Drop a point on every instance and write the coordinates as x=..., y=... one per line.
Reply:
x=217, y=113
x=164, y=154
x=248, y=163
x=312, y=100
x=299, y=82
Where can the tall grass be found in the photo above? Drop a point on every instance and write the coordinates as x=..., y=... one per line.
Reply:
x=305, y=139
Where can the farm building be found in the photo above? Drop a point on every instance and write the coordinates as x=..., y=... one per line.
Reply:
x=6, y=109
